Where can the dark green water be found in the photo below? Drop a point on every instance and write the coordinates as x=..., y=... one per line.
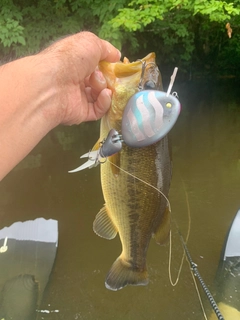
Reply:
x=206, y=160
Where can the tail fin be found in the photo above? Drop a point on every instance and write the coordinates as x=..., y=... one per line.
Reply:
x=122, y=274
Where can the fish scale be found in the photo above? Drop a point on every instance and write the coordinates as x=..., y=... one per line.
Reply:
x=133, y=209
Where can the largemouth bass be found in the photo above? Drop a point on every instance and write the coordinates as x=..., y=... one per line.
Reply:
x=133, y=209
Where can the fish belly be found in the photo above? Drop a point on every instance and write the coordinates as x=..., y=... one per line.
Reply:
x=135, y=208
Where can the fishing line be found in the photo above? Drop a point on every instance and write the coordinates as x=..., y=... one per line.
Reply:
x=184, y=256
x=148, y=184
x=193, y=266
x=169, y=264
x=198, y=293
x=170, y=247
x=170, y=236
x=194, y=270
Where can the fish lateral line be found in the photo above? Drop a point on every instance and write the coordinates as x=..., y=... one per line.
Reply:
x=148, y=184
x=173, y=283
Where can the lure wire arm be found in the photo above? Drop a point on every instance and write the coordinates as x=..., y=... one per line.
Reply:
x=113, y=142
x=173, y=76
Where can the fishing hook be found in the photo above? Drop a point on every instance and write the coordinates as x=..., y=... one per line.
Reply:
x=107, y=147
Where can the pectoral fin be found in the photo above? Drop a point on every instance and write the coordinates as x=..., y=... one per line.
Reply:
x=161, y=235
x=103, y=225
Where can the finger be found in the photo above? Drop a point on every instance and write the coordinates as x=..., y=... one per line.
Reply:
x=109, y=52
x=94, y=84
x=82, y=52
x=89, y=95
x=97, y=80
x=97, y=83
x=90, y=50
x=100, y=106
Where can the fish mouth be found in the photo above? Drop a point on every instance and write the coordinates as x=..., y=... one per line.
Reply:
x=142, y=73
x=125, y=79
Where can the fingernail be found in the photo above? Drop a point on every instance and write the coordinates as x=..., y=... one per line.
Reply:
x=119, y=53
x=109, y=92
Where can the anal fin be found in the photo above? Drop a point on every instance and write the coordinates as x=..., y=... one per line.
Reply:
x=161, y=235
x=103, y=225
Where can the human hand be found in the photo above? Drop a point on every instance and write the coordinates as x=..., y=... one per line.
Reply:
x=81, y=89
x=60, y=84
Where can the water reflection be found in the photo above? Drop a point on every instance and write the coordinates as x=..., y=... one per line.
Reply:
x=27, y=254
x=206, y=155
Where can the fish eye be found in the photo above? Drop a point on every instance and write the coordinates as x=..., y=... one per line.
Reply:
x=168, y=105
x=149, y=85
